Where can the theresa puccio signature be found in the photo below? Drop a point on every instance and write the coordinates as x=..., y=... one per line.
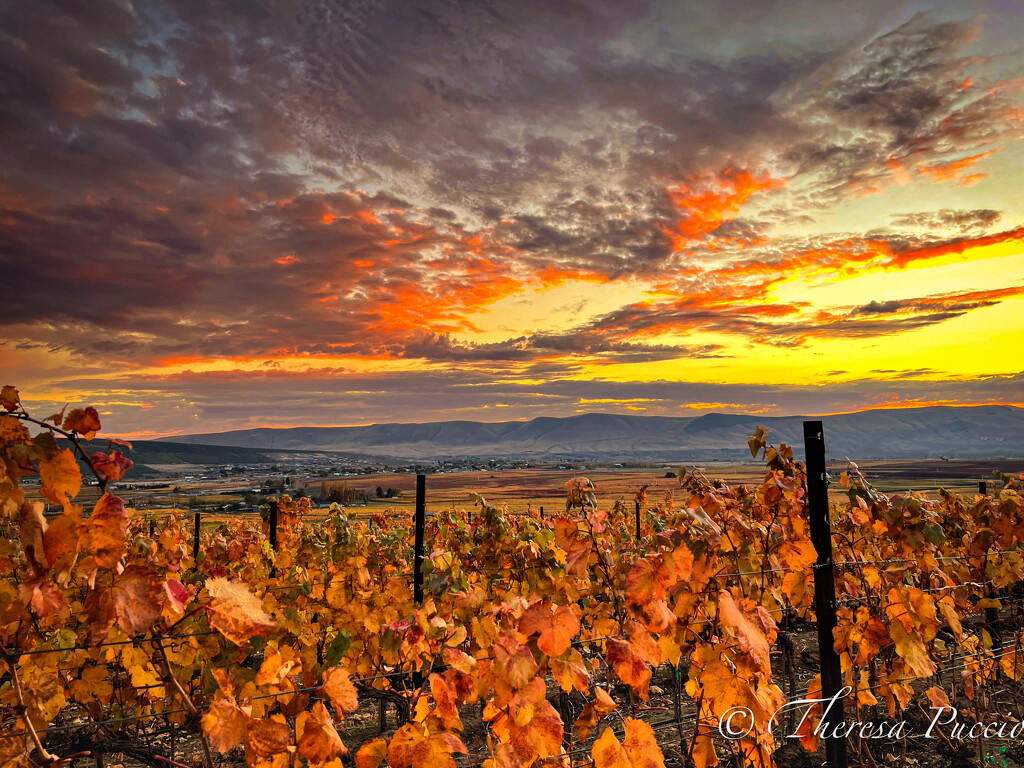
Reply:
x=738, y=723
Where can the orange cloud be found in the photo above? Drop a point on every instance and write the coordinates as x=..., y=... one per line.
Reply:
x=709, y=202
x=941, y=172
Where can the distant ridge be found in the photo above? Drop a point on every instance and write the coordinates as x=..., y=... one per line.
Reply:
x=984, y=431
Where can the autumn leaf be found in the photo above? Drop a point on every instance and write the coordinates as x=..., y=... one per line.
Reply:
x=9, y=398
x=31, y=527
x=41, y=596
x=61, y=540
x=226, y=724
x=267, y=737
x=318, y=739
x=341, y=691
x=416, y=745
x=236, y=612
x=84, y=421
x=630, y=668
x=557, y=626
x=177, y=595
x=531, y=726
x=106, y=532
x=749, y=637
x=61, y=477
x=704, y=755
x=593, y=712
x=133, y=600
x=372, y=753
x=445, y=703
x=639, y=749
x=13, y=431
x=938, y=697
x=570, y=672
x=111, y=466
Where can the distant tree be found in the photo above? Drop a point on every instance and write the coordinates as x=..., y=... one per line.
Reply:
x=670, y=473
x=380, y=492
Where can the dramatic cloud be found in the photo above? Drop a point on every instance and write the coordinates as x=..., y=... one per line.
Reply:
x=208, y=200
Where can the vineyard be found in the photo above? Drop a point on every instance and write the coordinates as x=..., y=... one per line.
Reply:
x=577, y=639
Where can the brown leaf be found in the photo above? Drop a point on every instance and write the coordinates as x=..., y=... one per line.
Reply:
x=13, y=431
x=106, y=532
x=84, y=421
x=31, y=527
x=137, y=594
x=266, y=737
x=9, y=398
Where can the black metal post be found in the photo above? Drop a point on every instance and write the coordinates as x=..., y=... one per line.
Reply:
x=421, y=514
x=195, y=539
x=638, y=521
x=417, y=578
x=824, y=588
x=273, y=525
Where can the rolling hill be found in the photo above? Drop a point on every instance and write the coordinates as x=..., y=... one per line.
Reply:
x=986, y=431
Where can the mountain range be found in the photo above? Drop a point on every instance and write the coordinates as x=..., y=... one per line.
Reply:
x=985, y=431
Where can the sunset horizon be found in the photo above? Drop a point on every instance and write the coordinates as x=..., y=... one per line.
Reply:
x=238, y=217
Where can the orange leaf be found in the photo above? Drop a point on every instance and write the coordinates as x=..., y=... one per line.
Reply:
x=416, y=746
x=226, y=724
x=372, y=753
x=593, y=712
x=61, y=477
x=445, y=703
x=318, y=738
x=106, y=531
x=749, y=637
x=630, y=668
x=937, y=697
x=134, y=600
x=556, y=627
x=638, y=750
x=236, y=612
x=340, y=690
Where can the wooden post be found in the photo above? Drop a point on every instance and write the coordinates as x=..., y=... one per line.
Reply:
x=638, y=521
x=824, y=588
x=983, y=488
x=151, y=525
x=195, y=539
x=542, y=514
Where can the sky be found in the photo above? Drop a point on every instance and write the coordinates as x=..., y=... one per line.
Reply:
x=219, y=215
